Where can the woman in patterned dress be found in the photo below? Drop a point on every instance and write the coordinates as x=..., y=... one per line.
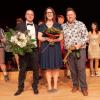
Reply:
x=2, y=54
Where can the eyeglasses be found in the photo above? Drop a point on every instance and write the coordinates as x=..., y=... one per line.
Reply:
x=49, y=12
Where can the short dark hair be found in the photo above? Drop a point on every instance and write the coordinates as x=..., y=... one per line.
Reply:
x=70, y=9
x=19, y=20
x=29, y=10
x=95, y=23
x=60, y=16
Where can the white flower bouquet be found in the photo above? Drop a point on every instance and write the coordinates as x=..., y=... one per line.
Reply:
x=20, y=42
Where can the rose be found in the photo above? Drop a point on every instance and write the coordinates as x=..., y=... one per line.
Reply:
x=52, y=33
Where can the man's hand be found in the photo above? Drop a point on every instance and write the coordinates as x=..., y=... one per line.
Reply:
x=78, y=46
x=3, y=40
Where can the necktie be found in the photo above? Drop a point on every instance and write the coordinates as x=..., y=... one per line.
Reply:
x=29, y=24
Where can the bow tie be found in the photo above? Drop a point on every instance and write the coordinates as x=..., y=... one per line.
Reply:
x=29, y=24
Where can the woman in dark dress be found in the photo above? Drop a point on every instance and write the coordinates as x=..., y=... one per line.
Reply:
x=2, y=54
x=51, y=58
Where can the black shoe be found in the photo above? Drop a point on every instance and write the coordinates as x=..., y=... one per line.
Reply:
x=75, y=89
x=18, y=92
x=36, y=91
x=69, y=77
x=6, y=78
x=50, y=91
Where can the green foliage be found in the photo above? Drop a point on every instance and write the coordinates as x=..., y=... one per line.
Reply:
x=53, y=30
x=9, y=34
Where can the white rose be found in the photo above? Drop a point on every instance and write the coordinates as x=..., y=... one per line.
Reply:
x=18, y=43
x=18, y=33
x=31, y=35
x=23, y=45
x=22, y=36
x=12, y=39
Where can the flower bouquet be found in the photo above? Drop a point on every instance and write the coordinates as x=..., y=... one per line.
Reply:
x=77, y=52
x=52, y=33
x=69, y=51
x=19, y=42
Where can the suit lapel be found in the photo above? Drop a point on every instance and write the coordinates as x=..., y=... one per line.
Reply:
x=36, y=31
x=24, y=26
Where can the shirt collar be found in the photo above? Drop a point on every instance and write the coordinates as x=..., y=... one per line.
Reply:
x=29, y=22
x=71, y=23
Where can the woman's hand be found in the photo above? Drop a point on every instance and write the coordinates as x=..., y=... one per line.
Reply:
x=50, y=40
x=56, y=40
x=60, y=38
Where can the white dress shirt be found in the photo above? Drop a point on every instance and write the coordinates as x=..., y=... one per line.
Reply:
x=32, y=32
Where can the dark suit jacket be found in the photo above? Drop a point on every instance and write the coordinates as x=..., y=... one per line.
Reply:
x=22, y=27
x=28, y=58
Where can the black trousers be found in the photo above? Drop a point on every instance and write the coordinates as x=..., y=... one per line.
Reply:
x=29, y=60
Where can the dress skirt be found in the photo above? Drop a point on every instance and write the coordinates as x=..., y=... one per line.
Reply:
x=51, y=57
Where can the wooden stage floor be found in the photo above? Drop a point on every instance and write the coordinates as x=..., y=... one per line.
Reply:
x=64, y=93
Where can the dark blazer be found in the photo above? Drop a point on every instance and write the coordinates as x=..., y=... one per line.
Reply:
x=23, y=27
x=28, y=60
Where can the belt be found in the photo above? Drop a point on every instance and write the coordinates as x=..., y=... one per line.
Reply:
x=78, y=49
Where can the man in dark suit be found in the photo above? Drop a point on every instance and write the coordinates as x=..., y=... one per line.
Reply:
x=29, y=59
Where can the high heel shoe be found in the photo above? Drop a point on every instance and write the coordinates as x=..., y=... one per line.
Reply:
x=97, y=74
x=6, y=78
x=92, y=74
